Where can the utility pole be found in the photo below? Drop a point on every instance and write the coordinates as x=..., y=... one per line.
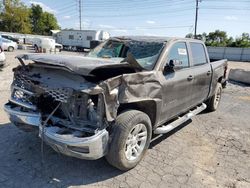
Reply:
x=196, y=18
x=80, y=13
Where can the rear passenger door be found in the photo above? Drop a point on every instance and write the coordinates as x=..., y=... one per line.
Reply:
x=202, y=72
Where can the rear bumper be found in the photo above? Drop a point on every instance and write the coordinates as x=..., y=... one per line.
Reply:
x=91, y=148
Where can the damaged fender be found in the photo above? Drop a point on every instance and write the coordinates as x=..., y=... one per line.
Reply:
x=142, y=89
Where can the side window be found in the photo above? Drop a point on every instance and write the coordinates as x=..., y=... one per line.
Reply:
x=71, y=37
x=179, y=52
x=6, y=41
x=89, y=37
x=198, y=54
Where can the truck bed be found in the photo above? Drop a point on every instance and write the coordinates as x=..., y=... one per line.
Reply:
x=219, y=69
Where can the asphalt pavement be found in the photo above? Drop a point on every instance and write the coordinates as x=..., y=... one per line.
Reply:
x=211, y=150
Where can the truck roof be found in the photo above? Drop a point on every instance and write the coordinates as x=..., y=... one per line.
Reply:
x=153, y=38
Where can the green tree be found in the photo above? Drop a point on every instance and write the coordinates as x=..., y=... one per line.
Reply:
x=15, y=17
x=50, y=23
x=198, y=36
x=36, y=13
x=217, y=38
x=190, y=35
x=42, y=22
x=220, y=38
x=243, y=41
x=230, y=42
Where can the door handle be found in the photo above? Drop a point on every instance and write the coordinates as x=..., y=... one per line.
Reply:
x=209, y=72
x=190, y=78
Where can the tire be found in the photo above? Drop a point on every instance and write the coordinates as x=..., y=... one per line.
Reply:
x=124, y=142
x=36, y=48
x=214, y=101
x=10, y=48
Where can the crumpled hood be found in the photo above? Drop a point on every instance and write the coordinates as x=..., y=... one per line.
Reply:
x=79, y=64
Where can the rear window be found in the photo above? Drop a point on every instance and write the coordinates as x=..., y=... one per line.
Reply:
x=198, y=54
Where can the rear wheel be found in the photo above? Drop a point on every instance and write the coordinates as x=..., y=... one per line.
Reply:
x=214, y=101
x=10, y=49
x=36, y=49
x=130, y=138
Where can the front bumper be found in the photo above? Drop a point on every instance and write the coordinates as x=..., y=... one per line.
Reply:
x=91, y=147
x=27, y=121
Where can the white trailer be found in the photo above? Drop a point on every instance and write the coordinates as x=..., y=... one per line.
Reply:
x=80, y=39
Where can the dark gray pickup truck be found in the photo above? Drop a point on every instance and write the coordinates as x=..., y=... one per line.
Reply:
x=112, y=101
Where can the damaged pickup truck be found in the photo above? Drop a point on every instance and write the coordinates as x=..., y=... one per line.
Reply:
x=110, y=102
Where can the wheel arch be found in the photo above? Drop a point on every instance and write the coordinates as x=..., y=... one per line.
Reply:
x=11, y=47
x=149, y=107
x=220, y=79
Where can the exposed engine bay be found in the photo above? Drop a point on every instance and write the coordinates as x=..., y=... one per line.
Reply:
x=37, y=89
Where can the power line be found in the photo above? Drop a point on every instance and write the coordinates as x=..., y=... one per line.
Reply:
x=142, y=13
x=138, y=5
x=146, y=28
x=229, y=1
x=117, y=9
x=65, y=6
x=225, y=8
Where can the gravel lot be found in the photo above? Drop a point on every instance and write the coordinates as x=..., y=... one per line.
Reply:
x=212, y=150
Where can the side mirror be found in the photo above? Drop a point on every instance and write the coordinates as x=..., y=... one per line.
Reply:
x=172, y=65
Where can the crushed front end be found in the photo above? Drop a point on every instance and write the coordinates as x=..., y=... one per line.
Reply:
x=68, y=111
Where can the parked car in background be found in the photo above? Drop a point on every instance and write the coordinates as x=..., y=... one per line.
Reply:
x=2, y=55
x=8, y=45
x=48, y=44
x=11, y=38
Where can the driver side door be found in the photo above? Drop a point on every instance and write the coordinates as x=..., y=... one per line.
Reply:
x=177, y=83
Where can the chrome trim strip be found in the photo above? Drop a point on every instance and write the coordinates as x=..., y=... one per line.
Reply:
x=23, y=90
x=15, y=101
x=29, y=106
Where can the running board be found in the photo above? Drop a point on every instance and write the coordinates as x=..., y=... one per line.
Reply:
x=166, y=128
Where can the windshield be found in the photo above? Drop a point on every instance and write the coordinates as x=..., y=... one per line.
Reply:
x=146, y=53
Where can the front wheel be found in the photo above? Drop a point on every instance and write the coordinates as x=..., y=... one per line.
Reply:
x=214, y=101
x=130, y=138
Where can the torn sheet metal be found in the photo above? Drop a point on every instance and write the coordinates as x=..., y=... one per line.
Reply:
x=131, y=88
x=138, y=86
